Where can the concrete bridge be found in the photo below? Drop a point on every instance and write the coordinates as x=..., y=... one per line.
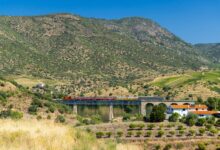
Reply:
x=142, y=102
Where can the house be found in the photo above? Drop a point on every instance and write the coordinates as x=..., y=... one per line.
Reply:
x=183, y=110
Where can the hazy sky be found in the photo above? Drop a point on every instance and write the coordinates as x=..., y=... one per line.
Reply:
x=195, y=21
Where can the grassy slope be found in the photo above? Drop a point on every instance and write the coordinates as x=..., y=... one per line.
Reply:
x=200, y=84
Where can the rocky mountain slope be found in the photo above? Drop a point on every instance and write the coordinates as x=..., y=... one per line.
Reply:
x=72, y=47
x=210, y=50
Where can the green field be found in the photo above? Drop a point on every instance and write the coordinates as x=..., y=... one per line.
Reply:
x=189, y=78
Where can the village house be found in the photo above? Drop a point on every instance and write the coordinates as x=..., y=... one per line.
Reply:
x=200, y=110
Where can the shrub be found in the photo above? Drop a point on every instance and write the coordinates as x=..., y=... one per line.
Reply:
x=141, y=126
x=51, y=108
x=126, y=117
x=138, y=133
x=201, y=146
x=211, y=120
x=132, y=126
x=157, y=147
x=181, y=132
x=150, y=126
x=167, y=147
x=32, y=109
x=174, y=117
x=213, y=131
x=180, y=127
x=60, y=119
x=191, y=132
x=148, y=133
x=179, y=146
x=208, y=126
x=200, y=121
x=171, y=133
x=39, y=117
x=95, y=119
x=11, y=114
x=217, y=123
x=48, y=117
x=99, y=134
x=130, y=133
x=108, y=134
x=160, y=133
x=201, y=131
x=119, y=133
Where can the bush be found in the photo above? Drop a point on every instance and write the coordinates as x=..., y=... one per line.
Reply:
x=32, y=109
x=217, y=123
x=119, y=133
x=11, y=114
x=174, y=117
x=99, y=134
x=60, y=119
x=130, y=133
x=201, y=146
x=180, y=127
x=138, y=133
x=51, y=109
x=181, y=132
x=141, y=126
x=148, y=133
x=160, y=133
x=39, y=117
x=96, y=119
x=200, y=121
x=167, y=147
x=126, y=117
x=132, y=126
x=191, y=132
x=171, y=133
x=108, y=134
x=201, y=131
x=150, y=126
x=213, y=131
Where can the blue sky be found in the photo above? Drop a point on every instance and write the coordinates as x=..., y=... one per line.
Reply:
x=195, y=21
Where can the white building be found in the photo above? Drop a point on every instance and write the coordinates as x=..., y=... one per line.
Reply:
x=183, y=110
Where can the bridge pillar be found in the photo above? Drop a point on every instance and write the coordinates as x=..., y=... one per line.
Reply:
x=75, y=109
x=111, y=113
x=143, y=108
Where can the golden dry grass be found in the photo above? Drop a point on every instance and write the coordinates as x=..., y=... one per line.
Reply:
x=46, y=135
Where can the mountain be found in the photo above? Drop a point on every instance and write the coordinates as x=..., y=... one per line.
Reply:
x=67, y=46
x=210, y=50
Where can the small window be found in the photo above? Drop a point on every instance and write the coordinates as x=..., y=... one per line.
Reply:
x=184, y=109
x=196, y=108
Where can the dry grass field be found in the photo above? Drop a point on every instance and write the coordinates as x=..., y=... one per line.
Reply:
x=46, y=135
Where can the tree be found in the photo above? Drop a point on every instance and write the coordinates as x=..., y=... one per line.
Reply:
x=157, y=114
x=213, y=103
x=200, y=121
x=191, y=119
x=174, y=117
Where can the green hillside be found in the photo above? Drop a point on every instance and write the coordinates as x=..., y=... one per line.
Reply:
x=72, y=47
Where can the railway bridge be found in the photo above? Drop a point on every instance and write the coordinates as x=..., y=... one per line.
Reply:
x=141, y=102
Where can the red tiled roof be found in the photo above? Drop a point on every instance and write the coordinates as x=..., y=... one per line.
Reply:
x=204, y=112
x=189, y=106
